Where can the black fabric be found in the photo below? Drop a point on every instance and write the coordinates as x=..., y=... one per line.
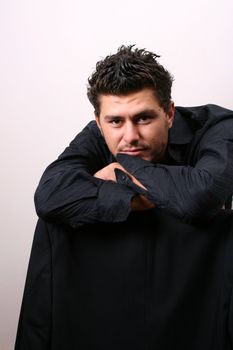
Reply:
x=152, y=282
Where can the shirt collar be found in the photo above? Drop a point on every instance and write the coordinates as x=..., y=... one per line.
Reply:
x=180, y=136
x=180, y=132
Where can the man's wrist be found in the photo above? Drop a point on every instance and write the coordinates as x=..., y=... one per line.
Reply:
x=140, y=202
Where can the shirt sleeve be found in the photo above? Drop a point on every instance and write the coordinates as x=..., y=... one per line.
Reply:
x=69, y=193
x=190, y=192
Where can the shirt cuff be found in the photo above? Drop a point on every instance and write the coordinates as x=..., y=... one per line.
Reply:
x=132, y=163
x=114, y=202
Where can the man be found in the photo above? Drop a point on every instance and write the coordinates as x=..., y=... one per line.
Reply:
x=141, y=151
x=116, y=263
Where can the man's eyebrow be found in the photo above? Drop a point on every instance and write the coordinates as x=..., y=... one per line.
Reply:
x=147, y=111
x=110, y=117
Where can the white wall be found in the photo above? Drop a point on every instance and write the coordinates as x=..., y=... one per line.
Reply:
x=48, y=49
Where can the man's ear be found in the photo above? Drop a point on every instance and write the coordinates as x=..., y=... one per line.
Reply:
x=97, y=119
x=170, y=115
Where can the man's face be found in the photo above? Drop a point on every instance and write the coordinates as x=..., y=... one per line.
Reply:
x=135, y=124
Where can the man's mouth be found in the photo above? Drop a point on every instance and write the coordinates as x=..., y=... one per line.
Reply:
x=133, y=151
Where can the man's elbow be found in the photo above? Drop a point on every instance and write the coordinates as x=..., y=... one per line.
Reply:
x=202, y=208
x=41, y=206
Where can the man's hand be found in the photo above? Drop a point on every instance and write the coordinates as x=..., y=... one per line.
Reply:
x=139, y=202
x=107, y=173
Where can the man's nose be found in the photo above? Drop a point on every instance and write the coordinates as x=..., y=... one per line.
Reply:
x=131, y=134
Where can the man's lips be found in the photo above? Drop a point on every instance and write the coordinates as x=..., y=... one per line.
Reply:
x=132, y=151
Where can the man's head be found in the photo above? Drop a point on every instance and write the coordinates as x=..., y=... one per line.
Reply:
x=129, y=70
x=131, y=95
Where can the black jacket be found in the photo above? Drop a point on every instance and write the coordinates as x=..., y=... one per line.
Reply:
x=152, y=282
x=193, y=184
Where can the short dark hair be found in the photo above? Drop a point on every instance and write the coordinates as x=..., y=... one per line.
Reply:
x=129, y=70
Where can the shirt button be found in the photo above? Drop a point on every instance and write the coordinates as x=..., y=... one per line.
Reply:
x=123, y=177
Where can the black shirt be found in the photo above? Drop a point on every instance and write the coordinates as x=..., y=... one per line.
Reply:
x=193, y=183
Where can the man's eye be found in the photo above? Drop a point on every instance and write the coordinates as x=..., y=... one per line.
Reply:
x=144, y=119
x=115, y=122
